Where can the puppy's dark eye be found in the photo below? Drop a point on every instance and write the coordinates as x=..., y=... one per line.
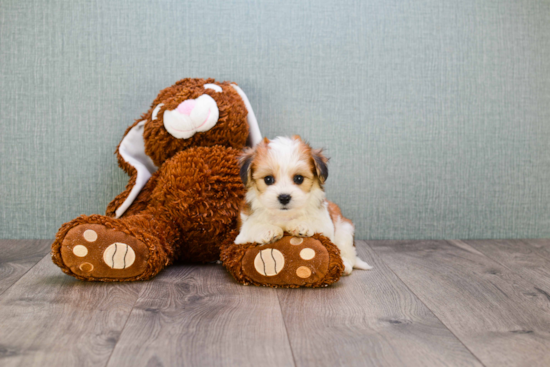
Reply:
x=298, y=179
x=269, y=180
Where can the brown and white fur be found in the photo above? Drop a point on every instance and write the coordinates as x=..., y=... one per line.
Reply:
x=278, y=200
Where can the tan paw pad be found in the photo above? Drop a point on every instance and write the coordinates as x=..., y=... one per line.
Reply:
x=303, y=272
x=296, y=241
x=80, y=251
x=269, y=262
x=86, y=267
x=90, y=235
x=119, y=256
x=307, y=254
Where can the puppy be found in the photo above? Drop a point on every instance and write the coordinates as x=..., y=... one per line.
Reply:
x=284, y=178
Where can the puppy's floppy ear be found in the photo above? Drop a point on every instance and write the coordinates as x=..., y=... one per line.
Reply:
x=245, y=162
x=247, y=157
x=320, y=163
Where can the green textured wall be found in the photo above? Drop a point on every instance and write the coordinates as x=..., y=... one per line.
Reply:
x=436, y=113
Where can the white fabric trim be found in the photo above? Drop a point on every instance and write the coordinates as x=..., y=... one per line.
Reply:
x=132, y=149
x=215, y=87
x=254, y=134
x=156, y=111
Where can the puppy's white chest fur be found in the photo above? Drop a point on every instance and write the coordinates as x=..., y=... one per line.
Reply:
x=303, y=222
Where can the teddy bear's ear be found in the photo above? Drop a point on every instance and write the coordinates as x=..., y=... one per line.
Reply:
x=132, y=150
x=254, y=134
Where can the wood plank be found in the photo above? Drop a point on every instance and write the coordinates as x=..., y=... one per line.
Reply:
x=527, y=258
x=197, y=315
x=542, y=244
x=369, y=318
x=493, y=311
x=17, y=257
x=51, y=319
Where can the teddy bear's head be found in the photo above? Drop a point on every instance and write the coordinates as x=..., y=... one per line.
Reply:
x=190, y=113
x=195, y=112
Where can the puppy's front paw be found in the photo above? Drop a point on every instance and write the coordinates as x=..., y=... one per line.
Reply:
x=241, y=239
x=301, y=230
x=260, y=234
x=270, y=235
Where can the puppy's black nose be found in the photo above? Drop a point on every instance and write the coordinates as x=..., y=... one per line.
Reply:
x=284, y=198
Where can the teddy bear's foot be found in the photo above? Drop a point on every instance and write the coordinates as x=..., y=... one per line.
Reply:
x=290, y=262
x=95, y=252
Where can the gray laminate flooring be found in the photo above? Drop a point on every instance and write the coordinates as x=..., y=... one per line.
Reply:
x=425, y=303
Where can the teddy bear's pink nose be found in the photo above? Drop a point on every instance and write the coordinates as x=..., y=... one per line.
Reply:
x=186, y=107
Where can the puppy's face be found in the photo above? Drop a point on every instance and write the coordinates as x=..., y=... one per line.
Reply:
x=283, y=174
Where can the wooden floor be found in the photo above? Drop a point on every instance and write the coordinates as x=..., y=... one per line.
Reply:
x=426, y=303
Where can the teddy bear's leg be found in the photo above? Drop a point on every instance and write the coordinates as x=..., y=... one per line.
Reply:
x=101, y=248
x=191, y=210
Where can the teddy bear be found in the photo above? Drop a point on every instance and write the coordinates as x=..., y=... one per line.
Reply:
x=183, y=198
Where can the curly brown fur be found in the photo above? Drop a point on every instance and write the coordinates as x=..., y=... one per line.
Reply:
x=231, y=129
x=139, y=204
x=192, y=208
x=201, y=190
